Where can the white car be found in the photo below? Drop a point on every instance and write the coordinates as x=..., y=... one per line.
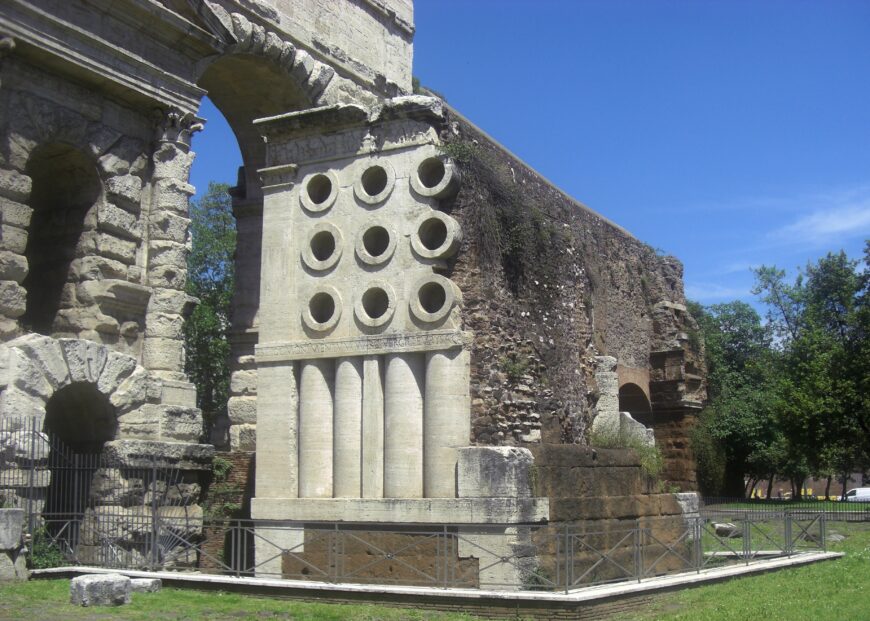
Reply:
x=859, y=494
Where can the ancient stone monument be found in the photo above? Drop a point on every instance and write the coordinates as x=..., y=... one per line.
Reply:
x=424, y=330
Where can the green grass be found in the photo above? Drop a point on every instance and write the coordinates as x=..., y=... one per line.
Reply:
x=829, y=590
x=49, y=599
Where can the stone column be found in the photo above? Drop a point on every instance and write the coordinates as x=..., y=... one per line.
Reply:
x=165, y=258
x=373, y=428
x=446, y=419
x=240, y=428
x=316, y=384
x=277, y=469
x=347, y=445
x=403, y=426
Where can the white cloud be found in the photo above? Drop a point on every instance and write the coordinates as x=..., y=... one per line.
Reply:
x=829, y=224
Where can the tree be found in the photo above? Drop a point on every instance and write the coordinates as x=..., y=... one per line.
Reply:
x=818, y=322
x=210, y=278
x=735, y=437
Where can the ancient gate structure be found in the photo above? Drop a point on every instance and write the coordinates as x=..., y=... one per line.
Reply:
x=408, y=341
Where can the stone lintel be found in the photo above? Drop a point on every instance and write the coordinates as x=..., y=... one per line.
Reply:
x=327, y=119
x=143, y=453
x=364, y=345
x=404, y=510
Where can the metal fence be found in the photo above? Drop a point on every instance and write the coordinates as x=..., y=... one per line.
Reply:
x=543, y=558
x=730, y=507
x=84, y=509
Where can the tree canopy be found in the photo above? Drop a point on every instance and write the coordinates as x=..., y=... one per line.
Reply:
x=788, y=393
x=210, y=278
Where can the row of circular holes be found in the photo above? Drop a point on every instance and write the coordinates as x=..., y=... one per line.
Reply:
x=435, y=178
x=435, y=297
x=437, y=237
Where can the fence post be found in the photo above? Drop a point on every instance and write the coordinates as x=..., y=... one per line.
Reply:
x=154, y=527
x=32, y=473
x=747, y=539
x=696, y=533
x=788, y=542
x=823, y=528
x=569, y=569
x=638, y=559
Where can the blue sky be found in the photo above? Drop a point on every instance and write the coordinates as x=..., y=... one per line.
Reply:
x=730, y=133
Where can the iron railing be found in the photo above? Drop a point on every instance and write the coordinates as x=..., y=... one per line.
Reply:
x=727, y=507
x=541, y=557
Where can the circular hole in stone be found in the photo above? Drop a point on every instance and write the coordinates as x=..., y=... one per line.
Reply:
x=374, y=180
x=375, y=302
x=431, y=172
x=432, y=297
x=322, y=307
x=319, y=188
x=376, y=240
x=323, y=245
x=432, y=233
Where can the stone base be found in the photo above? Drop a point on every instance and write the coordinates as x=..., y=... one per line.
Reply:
x=403, y=510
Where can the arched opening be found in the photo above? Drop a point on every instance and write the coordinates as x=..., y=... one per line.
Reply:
x=245, y=88
x=65, y=186
x=79, y=421
x=633, y=400
x=240, y=89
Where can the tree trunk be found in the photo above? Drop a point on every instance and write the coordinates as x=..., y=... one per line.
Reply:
x=828, y=486
x=770, y=486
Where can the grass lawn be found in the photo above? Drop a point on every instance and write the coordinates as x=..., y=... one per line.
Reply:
x=38, y=600
x=833, y=590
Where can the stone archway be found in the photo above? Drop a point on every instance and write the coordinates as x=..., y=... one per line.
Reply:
x=37, y=367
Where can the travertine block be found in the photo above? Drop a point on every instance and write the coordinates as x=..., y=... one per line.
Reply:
x=145, y=585
x=15, y=213
x=116, y=248
x=126, y=190
x=173, y=195
x=167, y=277
x=243, y=383
x=164, y=325
x=98, y=268
x=85, y=359
x=13, y=266
x=163, y=354
x=117, y=368
x=118, y=221
x=13, y=298
x=14, y=185
x=100, y=590
x=131, y=393
x=166, y=225
x=242, y=410
x=13, y=239
x=243, y=437
x=167, y=253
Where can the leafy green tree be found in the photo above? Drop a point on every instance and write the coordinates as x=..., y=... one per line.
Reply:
x=821, y=410
x=734, y=436
x=210, y=278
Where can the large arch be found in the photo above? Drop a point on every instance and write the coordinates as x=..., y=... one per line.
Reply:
x=65, y=186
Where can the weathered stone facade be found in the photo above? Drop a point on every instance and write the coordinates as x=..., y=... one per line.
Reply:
x=418, y=315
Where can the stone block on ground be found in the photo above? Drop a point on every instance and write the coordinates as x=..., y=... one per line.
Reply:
x=145, y=585
x=100, y=590
x=727, y=530
x=11, y=527
x=13, y=566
